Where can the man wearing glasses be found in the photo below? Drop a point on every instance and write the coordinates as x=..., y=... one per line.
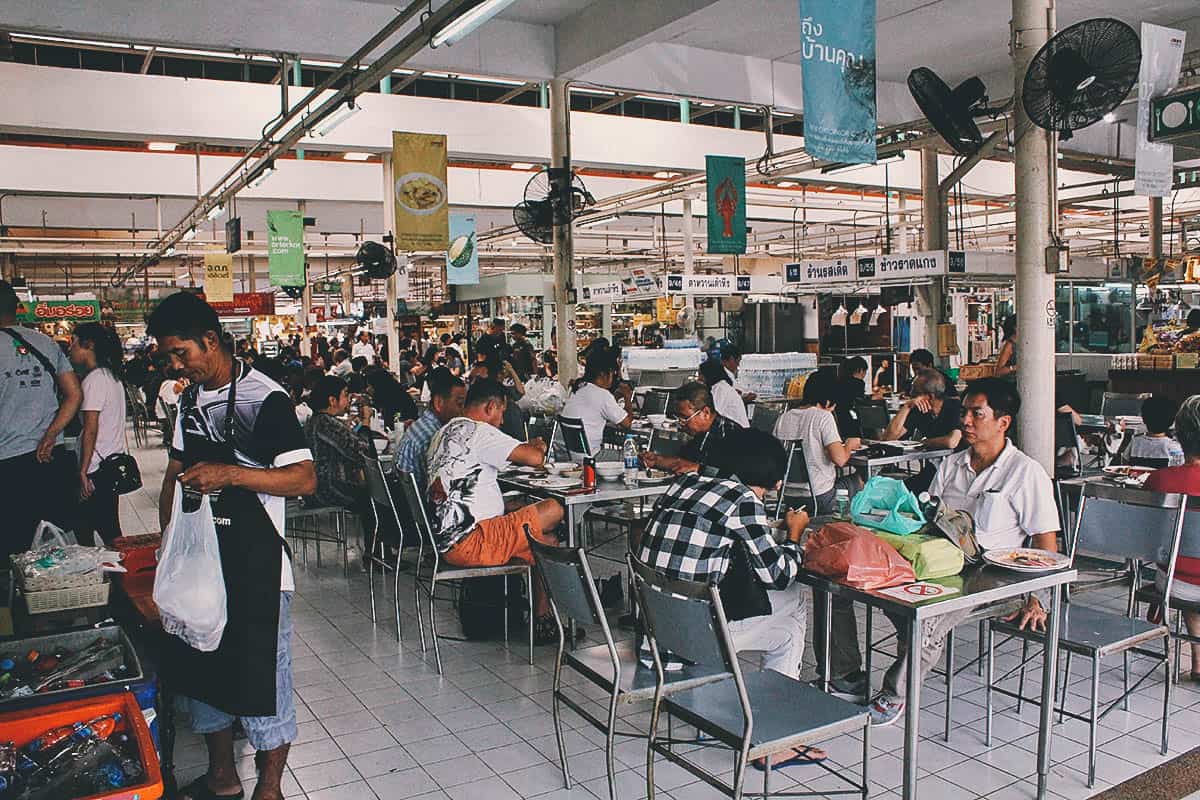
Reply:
x=693, y=410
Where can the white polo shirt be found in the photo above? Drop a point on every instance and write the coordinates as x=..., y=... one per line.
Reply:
x=1010, y=501
x=729, y=404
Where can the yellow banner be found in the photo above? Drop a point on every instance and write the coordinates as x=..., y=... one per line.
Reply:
x=218, y=277
x=419, y=191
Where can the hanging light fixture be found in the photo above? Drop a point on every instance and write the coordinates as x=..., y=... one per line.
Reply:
x=877, y=313
x=856, y=317
x=839, y=316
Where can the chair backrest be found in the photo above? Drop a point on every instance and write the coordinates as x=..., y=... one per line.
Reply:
x=664, y=445
x=1122, y=404
x=872, y=415
x=1152, y=463
x=764, y=417
x=574, y=436
x=655, y=401
x=796, y=472
x=540, y=427
x=1064, y=432
x=381, y=495
x=569, y=584
x=415, y=508
x=1116, y=523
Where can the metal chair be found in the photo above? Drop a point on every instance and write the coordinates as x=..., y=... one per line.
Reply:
x=139, y=414
x=1189, y=547
x=1152, y=463
x=797, y=468
x=764, y=418
x=613, y=667
x=444, y=574
x=301, y=522
x=664, y=445
x=574, y=436
x=872, y=415
x=755, y=715
x=1066, y=437
x=1122, y=404
x=656, y=401
x=381, y=497
x=1113, y=523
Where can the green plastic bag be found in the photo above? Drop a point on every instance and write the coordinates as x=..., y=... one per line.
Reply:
x=931, y=556
x=886, y=504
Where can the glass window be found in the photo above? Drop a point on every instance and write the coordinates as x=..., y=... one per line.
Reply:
x=1062, y=327
x=1102, y=318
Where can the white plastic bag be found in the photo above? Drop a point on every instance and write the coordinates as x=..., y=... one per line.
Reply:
x=189, y=586
x=543, y=395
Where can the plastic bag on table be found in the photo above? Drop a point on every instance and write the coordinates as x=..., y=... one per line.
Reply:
x=888, y=505
x=189, y=586
x=543, y=395
x=857, y=556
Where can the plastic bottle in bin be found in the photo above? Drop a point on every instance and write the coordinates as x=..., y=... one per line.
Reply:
x=842, y=503
x=630, y=453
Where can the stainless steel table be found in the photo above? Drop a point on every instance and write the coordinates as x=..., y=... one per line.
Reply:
x=979, y=586
x=576, y=503
x=873, y=465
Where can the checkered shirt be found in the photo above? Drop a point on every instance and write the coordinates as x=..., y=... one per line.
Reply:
x=695, y=523
x=411, y=450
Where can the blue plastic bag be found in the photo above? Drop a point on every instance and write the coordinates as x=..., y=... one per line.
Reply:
x=886, y=504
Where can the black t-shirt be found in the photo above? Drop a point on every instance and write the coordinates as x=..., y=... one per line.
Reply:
x=850, y=391
x=700, y=446
x=523, y=359
x=928, y=426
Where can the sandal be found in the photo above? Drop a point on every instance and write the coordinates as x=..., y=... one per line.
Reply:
x=802, y=755
x=198, y=790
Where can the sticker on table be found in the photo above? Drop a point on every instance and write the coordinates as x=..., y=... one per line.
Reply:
x=919, y=591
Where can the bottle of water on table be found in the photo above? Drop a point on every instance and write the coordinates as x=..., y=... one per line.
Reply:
x=630, y=452
x=842, y=504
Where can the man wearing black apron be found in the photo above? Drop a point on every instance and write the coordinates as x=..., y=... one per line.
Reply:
x=237, y=445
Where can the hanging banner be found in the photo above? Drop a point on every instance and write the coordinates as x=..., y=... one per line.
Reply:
x=726, y=177
x=256, y=304
x=689, y=283
x=837, y=51
x=462, y=259
x=1162, y=56
x=285, y=248
x=58, y=311
x=839, y=270
x=419, y=190
x=218, y=277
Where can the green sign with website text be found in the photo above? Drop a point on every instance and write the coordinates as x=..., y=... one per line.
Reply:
x=285, y=247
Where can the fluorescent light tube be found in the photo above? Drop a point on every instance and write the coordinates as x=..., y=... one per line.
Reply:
x=267, y=172
x=162, y=147
x=521, y=165
x=326, y=126
x=356, y=156
x=465, y=23
x=191, y=234
x=215, y=211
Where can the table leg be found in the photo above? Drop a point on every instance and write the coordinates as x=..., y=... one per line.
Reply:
x=826, y=600
x=912, y=708
x=571, y=542
x=1049, y=674
x=166, y=737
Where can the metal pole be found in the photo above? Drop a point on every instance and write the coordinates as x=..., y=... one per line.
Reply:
x=933, y=222
x=1156, y=227
x=1035, y=171
x=306, y=297
x=564, y=275
x=393, y=282
x=298, y=80
x=689, y=249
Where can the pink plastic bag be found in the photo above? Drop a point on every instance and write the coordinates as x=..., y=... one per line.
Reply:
x=856, y=556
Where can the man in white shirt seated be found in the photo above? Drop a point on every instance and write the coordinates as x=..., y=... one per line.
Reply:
x=593, y=402
x=1011, y=499
x=364, y=348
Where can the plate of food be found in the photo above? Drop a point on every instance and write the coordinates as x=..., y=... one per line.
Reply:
x=420, y=193
x=556, y=482
x=1026, y=559
x=654, y=476
x=1128, y=475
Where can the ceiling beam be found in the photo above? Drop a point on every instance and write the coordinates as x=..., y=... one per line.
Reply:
x=615, y=101
x=516, y=91
x=149, y=58
x=607, y=29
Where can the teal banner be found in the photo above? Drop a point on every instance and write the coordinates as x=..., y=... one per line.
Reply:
x=837, y=50
x=726, y=177
x=285, y=247
x=462, y=259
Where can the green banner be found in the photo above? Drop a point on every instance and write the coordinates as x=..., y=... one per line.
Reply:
x=285, y=247
x=726, y=204
x=59, y=311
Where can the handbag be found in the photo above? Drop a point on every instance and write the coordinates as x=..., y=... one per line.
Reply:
x=120, y=473
x=75, y=426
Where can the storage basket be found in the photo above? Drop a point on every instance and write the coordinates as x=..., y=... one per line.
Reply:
x=65, y=599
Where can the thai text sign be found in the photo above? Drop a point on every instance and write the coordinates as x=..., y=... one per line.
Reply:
x=59, y=310
x=837, y=50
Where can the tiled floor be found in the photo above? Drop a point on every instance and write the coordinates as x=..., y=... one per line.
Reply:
x=377, y=721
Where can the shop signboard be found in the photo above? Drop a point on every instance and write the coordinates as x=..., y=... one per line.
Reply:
x=248, y=304
x=327, y=287
x=639, y=284
x=419, y=192
x=837, y=51
x=909, y=265
x=37, y=311
x=285, y=248
x=722, y=284
x=218, y=277
x=1162, y=56
x=597, y=293
x=462, y=258
x=956, y=262
x=726, y=180
x=818, y=273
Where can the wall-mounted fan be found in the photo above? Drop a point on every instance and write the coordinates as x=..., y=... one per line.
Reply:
x=1081, y=74
x=378, y=260
x=553, y=197
x=951, y=112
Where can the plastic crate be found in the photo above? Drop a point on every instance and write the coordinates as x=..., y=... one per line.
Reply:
x=67, y=599
x=72, y=641
x=22, y=727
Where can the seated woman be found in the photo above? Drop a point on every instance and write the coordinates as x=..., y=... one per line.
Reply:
x=340, y=455
x=390, y=397
x=1184, y=478
x=728, y=402
x=592, y=400
x=814, y=424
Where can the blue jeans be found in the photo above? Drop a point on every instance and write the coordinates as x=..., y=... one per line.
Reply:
x=264, y=733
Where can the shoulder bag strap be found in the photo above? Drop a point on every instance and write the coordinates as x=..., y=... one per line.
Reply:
x=45, y=362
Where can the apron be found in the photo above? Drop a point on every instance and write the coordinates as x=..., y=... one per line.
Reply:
x=239, y=676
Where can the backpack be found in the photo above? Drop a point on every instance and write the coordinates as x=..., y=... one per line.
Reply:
x=481, y=606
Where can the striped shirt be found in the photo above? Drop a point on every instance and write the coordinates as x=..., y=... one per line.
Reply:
x=410, y=452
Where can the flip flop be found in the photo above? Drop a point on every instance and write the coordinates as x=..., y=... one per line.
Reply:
x=801, y=757
x=198, y=790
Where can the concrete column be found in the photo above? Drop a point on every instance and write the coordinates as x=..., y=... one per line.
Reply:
x=564, y=250
x=1035, y=171
x=901, y=243
x=606, y=321
x=685, y=111
x=1155, y=210
x=393, y=282
x=737, y=117
x=385, y=85
x=933, y=222
x=251, y=278
x=306, y=298
x=298, y=81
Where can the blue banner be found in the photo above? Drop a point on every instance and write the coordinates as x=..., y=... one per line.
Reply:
x=837, y=49
x=462, y=259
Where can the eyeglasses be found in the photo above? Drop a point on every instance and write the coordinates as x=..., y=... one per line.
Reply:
x=689, y=418
x=977, y=412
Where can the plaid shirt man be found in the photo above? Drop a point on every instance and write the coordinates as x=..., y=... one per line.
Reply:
x=410, y=452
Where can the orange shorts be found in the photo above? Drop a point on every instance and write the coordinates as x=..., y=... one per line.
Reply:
x=497, y=541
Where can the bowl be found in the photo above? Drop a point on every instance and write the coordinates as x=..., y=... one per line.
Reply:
x=567, y=469
x=657, y=419
x=610, y=470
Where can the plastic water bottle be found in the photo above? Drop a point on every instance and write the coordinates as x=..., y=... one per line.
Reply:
x=842, y=504
x=629, y=449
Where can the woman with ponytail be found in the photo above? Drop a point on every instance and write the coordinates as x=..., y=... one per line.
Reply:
x=592, y=400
